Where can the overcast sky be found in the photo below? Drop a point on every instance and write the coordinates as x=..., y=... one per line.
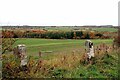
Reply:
x=59, y=12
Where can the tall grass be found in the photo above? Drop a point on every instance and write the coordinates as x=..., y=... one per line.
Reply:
x=62, y=66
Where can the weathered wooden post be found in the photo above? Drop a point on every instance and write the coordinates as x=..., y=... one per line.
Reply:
x=20, y=52
x=40, y=54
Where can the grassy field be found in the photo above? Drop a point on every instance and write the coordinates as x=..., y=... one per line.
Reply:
x=54, y=46
x=105, y=29
x=102, y=29
x=62, y=59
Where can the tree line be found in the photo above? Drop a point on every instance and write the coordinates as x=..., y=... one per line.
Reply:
x=53, y=34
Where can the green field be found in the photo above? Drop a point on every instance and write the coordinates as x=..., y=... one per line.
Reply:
x=48, y=46
x=101, y=29
x=105, y=29
x=63, y=58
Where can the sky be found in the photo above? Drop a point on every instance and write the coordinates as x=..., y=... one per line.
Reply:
x=59, y=12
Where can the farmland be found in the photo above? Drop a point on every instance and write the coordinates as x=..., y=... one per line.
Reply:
x=65, y=28
x=55, y=46
x=61, y=58
x=82, y=28
x=59, y=52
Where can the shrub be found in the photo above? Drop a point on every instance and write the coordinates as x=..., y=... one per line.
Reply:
x=99, y=34
x=79, y=34
x=7, y=44
x=87, y=36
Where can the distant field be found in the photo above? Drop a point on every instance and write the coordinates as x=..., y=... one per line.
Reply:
x=105, y=29
x=49, y=46
x=80, y=28
x=70, y=28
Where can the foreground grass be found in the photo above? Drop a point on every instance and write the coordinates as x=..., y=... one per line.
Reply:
x=104, y=67
x=62, y=66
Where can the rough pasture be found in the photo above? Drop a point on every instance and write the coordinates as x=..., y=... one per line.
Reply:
x=69, y=63
x=62, y=58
